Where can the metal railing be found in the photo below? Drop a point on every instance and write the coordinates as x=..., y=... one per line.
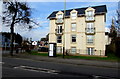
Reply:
x=90, y=30
x=85, y=52
x=90, y=18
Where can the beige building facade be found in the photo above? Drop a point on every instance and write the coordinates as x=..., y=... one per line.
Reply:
x=81, y=31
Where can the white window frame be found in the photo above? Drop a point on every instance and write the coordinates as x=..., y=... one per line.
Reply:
x=73, y=36
x=90, y=15
x=73, y=50
x=73, y=15
x=73, y=27
x=90, y=28
x=60, y=16
x=90, y=39
x=59, y=39
x=90, y=51
x=59, y=29
x=59, y=49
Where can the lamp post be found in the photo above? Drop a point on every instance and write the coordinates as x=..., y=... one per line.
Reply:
x=64, y=28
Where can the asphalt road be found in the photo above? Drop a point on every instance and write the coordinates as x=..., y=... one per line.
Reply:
x=16, y=67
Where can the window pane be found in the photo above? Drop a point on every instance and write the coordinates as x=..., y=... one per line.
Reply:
x=90, y=51
x=89, y=15
x=59, y=15
x=59, y=49
x=59, y=39
x=73, y=27
x=90, y=28
x=89, y=25
x=90, y=39
x=73, y=38
x=73, y=15
x=73, y=50
x=59, y=29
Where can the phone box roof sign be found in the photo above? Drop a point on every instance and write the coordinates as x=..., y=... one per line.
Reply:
x=34, y=43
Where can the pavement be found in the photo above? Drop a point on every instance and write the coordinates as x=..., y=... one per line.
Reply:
x=97, y=63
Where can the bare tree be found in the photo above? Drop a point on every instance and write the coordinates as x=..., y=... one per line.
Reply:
x=115, y=33
x=16, y=13
x=115, y=27
x=118, y=23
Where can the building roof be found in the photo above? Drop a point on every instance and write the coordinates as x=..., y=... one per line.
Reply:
x=81, y=11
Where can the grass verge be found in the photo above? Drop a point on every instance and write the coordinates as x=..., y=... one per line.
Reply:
x=111, y=57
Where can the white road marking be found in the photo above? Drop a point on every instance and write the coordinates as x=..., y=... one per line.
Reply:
x=37, y=69
x=2, y=63
x=97, y=77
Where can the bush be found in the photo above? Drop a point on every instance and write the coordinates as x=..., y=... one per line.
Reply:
x=28, y=50
x=110, y=49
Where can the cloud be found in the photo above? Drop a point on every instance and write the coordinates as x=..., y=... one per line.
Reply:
x=0, y=16
x=36, y=34
x=5, y=29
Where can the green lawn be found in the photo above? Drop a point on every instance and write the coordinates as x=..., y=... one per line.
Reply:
x=40, y=54
x=110, y=57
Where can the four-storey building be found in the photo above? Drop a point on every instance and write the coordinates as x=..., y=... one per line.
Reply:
x=79, y=31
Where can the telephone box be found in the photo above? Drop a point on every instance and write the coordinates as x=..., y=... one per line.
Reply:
x=52, y=50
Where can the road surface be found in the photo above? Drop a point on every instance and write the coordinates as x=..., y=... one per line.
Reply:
x=17, y=67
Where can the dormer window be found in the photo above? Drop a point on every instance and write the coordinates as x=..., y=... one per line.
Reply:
x=89, y=15
x=60, y=16
x=73, y=15
x=89, y=12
